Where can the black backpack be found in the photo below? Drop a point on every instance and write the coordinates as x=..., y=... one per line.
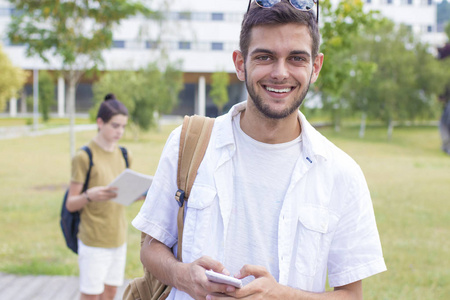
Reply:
x=71, y=220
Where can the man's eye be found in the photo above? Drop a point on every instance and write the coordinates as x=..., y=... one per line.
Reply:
x=298, y=58
x=263, y=57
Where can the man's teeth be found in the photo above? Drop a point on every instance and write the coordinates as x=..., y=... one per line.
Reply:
x=286, y=90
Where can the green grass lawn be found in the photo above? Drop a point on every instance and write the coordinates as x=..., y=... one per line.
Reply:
x=408, y=177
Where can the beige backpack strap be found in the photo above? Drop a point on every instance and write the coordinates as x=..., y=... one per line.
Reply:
x=194, y=139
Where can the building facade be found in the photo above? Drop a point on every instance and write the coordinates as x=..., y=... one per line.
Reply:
x=202, y=34
x=418, y=15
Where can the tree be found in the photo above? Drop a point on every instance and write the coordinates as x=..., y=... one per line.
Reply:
x=46, y=94
x=342, y=24
x=170, y=82
x=358, y=89
x=407, y=79
x=374, y=67
x=156, y=92
x=108, y=83
x=219, y=91
x=70, y=34
x=146, y=93
x=12, y=79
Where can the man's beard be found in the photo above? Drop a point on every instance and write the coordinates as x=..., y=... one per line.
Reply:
x=265, y=109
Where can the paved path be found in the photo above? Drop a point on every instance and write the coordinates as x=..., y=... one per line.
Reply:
x=12, y=132
x=42, y=287
x=20, y=131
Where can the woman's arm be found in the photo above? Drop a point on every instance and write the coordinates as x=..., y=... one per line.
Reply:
x=76, y=200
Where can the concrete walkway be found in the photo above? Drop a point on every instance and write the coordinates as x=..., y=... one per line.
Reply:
x=20, y=131
x=43, y=287
x=12, y=132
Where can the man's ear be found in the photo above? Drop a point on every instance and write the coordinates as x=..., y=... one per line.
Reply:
x=317, y=66
x=239, y=64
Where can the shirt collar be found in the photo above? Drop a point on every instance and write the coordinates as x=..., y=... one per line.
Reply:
x=224, y=125
x=313, y=142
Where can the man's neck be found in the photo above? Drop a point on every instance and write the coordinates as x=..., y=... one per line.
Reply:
x=270, y=131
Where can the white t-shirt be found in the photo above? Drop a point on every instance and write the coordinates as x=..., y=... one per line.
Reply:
x=262, y=173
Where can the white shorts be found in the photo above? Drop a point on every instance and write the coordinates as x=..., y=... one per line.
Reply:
x=100, y=266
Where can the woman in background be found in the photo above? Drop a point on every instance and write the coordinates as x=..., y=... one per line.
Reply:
x=103, y=225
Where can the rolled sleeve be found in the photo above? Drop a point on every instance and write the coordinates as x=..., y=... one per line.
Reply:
x=158, y=214
x=154, y=230
x=355, y=251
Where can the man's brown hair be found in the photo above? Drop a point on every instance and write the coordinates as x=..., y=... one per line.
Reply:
x=281, y=13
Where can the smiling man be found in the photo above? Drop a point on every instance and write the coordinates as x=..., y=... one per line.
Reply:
x=274, y=202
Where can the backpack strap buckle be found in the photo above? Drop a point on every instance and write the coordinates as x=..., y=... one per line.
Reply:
x=179, y=196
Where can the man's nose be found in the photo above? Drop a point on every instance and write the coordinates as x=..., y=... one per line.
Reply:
x=280, y=71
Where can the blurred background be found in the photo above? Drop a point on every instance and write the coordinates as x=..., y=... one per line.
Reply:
x=382, y=96
x=384, y=59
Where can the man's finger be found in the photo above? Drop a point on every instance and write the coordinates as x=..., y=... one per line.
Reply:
x=248, y=270
x=210, y=264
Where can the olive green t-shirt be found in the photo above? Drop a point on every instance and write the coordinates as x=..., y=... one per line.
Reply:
x=103, y=224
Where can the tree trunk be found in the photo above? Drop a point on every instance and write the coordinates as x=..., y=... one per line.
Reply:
x=35, y=99
x=157, y=120
x=72, y=77
x=337, y=122
x=71, y=111
x=362, y=127
x=337, y=118
x=390, y=129
x=23, y=102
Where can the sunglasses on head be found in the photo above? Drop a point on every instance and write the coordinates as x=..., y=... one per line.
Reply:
x=304, y=5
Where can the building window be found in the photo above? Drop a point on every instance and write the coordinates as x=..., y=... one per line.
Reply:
x=199, y=16
x=429, y=28
x=217, y=46
x=151, y=44
x=410, y=2
x=430, y=2
x=217, y=16
x=389, y=1
x=5, y=11
x=184, y=15
x=118, y=44
x=369, y=1
x=184, y=45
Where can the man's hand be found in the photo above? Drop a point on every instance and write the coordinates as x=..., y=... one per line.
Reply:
x=263, y=287
x=266, y=287
x=195, y=282
x=187, y=277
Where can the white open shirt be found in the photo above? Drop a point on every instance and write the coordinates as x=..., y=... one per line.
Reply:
x=327, y=221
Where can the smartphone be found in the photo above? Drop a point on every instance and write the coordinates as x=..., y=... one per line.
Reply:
x=221, y=278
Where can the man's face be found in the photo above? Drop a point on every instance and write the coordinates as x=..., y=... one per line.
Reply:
x=279, y=68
